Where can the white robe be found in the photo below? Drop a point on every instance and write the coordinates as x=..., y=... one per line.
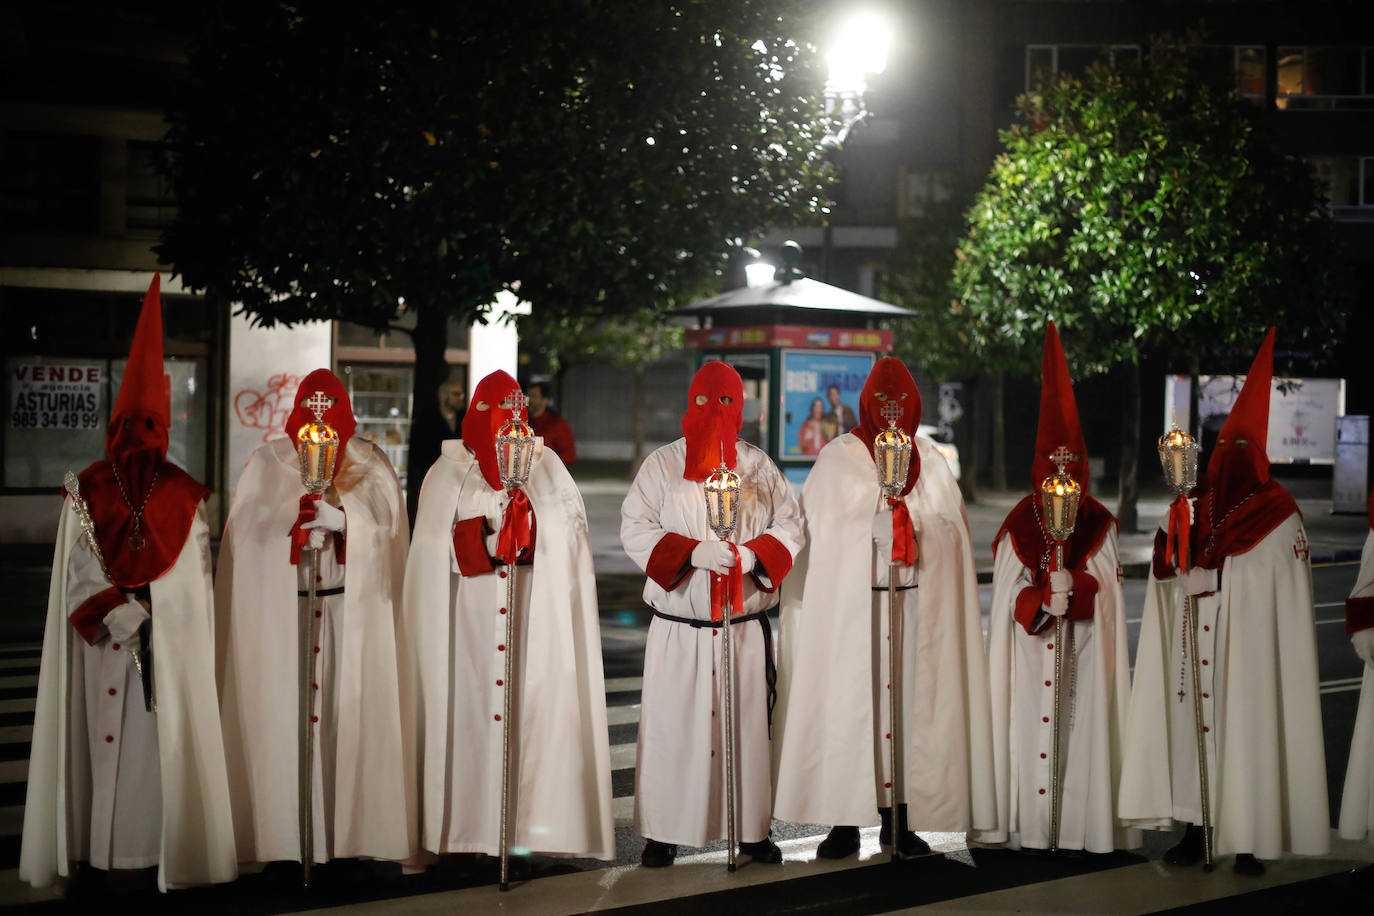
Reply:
x=1095, y=698
x=363, y=794
x=1261, y=708
x=679, y=769
x=110, y=782
x=1357, y=799
x=453, y=628
x=831, y=762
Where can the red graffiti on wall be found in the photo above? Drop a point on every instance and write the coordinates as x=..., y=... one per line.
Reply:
x=268, y=410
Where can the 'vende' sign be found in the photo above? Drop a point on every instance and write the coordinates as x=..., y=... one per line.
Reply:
x=56, y=397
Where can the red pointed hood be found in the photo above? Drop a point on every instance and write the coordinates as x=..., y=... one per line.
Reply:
x=484, y=420
x=890, y=382
x=136, y=439
x=1239, y=464
x=1059, y=426
x=142, y=504
x=338, y=415
x=710, y=424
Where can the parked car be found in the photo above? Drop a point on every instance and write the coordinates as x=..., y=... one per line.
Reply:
x=947, y=449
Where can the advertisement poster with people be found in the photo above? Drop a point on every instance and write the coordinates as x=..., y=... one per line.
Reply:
x=820, y=398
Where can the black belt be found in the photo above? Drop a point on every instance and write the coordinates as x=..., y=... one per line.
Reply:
x=770, y=668
x=900, y=588
x=322, y=592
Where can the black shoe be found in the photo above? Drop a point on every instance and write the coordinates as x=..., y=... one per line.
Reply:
x=910, y=844
x=764, y=852
x=1247, y=864
x=840, y=843
x=657, y=855
x=1189, y=850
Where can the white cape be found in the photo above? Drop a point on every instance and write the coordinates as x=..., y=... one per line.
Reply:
x=197, y=830
x=257, y=613
x=1266, y=760
x=451, y=628
x=824, y=722
x=1357, y=800
x=1095, y=698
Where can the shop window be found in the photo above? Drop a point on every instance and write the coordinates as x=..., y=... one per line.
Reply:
x=49, y=183
x=381, y=396
x=65, y=360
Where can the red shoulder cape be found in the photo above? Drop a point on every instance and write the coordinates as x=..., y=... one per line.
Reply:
x=166, y=521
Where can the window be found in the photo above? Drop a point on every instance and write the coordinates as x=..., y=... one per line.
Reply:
x=1350, y=185
x=1044, y=61
x=148, y=203
x=49, y=183
x=1325, y=77
x=1238, y=67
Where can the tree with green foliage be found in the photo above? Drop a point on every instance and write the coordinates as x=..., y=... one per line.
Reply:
x=1145, y=209
x=592, y=158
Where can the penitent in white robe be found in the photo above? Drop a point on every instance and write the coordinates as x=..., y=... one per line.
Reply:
x=453, y=638
x=110, y=782
x=1260, y=707
x=831, y=727
x=1094, y=701
x=679, y=771
x=1357, y=799
x=363, y=794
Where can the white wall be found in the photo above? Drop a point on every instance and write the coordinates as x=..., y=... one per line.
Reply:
x=495, y=345
x=265, y=368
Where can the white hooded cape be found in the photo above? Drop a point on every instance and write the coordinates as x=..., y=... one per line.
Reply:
x=257, y=613
x=1094, y=697
x=1357, y=799
x=197, y=845
x=1266, y=760
x=824, y=723
x=452, y=626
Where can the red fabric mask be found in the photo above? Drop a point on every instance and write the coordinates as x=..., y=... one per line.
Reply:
x=338, y=415
x=135, y=496
x=1239, y=464
x=890, y=383
x=1238, y=503
x=1059, y=428
x=480, y=425
x=710, y=424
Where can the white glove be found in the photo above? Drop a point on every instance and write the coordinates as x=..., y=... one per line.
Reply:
x=713, y=555
x=882, y=528
x=1363, y=641
x=1061, y=586
x=747, y=560
x=327, y=519
x=1199, y=581
x=123, y=622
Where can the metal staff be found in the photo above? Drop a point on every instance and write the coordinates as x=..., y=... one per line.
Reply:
x=721, y=490
x=1059, y=498
x=1178, y=455
x=73, y=487
x=892, y=456
x=317, y=447
x=514, y=455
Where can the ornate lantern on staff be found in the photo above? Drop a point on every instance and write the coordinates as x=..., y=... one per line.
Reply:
x=721, y=490
x=1060, y=495
x=317, y=449
x=1178, y=457
x=892, y=457
x=514, y=457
